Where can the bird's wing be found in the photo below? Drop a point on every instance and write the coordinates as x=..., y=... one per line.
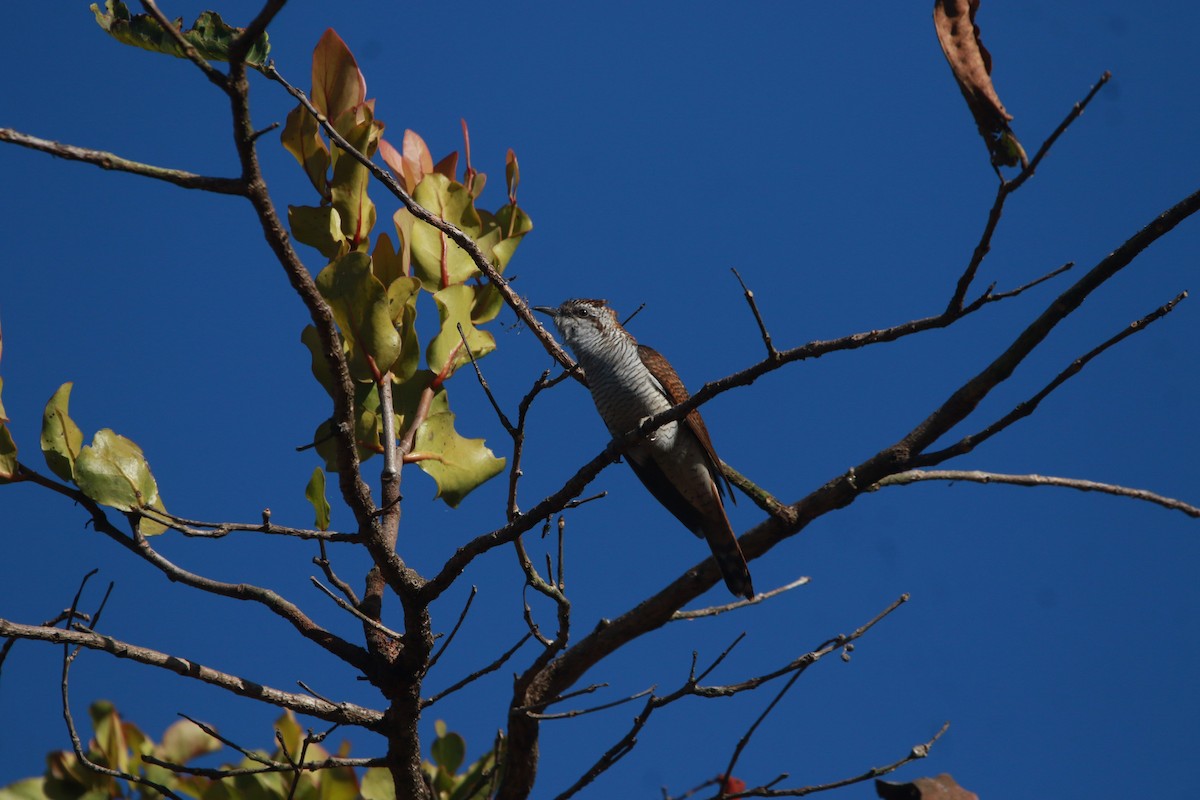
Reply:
x=674, y=390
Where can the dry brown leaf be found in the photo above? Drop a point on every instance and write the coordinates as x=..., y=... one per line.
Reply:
x=971, y=63
x=943, y=787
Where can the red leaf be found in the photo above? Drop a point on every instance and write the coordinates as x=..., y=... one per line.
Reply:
x=337, y=82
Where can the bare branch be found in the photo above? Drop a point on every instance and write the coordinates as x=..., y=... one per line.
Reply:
x=762, y=327
x=1003, y=191
x=917, y=753
x=712, y=611
x=385, y=630
x=1075, y=113
x=140, y=546
x=979, y=476
x=106, y=160
x=578, y=712
x=454, y=631
x=217, y=530
x=479, y=673
x=344, y=713
x=1022, y=410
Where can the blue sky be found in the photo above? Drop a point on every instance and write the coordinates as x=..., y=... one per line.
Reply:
x=826, y=153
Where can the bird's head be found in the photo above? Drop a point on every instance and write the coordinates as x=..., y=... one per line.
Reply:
x=585, y=325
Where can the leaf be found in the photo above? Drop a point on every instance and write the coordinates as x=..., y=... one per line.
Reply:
x=458, y=465
x=339, y=783
x=289, y=733
x=348, y=187
x=943, y=787
x=320, y=367
x=360, y=305
x=402, y=305
x=446, y=352
x=3, y=413
x=319, y=227
x=377, y=785
x=209, y=35
x=110, y=737
x=185, y=740
x=386, y=262
x=315, y=494
x=61, y=437
x=302, y=138
x=448, y=166
x=8, y=456
x=337, y=82
x=449, y=751
x=437, y=261
x=367, y=428
x=28, y=789
x=512, y=175
x=971, y=63
x=113, y=472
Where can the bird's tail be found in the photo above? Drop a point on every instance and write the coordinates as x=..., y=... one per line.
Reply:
x=728, y=555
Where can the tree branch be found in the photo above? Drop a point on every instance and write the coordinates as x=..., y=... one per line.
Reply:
x=111, y=161
x=342, y=713
x=979, y=476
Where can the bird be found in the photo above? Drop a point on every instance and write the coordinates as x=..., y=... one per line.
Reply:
x=630, y=382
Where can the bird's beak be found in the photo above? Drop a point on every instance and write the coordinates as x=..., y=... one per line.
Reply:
x=547, y=310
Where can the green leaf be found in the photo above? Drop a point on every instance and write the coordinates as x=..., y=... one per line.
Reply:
x=377, y=785
x=437, y=261
x=402, y=305
x=472, y=785
x=8, y=456
x=348, y=187
x=210, y=35
x=110, y=737
x=29, y=789
x=61, y=437
x=315, y=493
x=446, y=353
x=360, y=305
x=319, y=227
x=3, y=414
x=185, y=740
x=337, y=82
x=113, y=472
x=458, y=465
x=302, y=138
x=367, y=428
x=339, y=783
x=289, y=732
x=320, y=367
x=449, y=752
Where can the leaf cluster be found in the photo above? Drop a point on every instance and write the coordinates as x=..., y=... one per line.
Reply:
x=374, y=285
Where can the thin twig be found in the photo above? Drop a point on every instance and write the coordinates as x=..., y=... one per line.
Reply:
x=979, y=476
x=712, y=611
x=762, y=326
x=462, y=616
x=508, y=426
x=106, y=160
x=1024, y=409
x=578, y=712
x=479, y=673
x=345, y=713
x=379, y=626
